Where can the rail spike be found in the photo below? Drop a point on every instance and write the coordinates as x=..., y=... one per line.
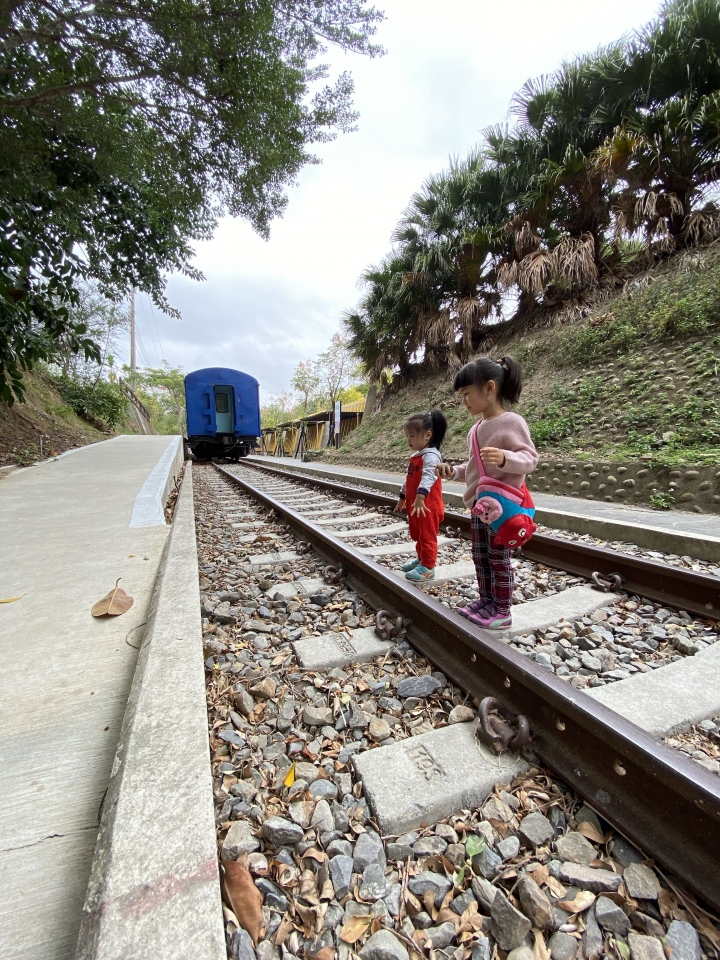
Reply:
x=302, y=547
x=495, y=732
x=387, y=628
x=333, y=575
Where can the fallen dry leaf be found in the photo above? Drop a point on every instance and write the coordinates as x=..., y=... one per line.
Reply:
x=12, y=599
x=590, y=832
x=113, y=604
x=540, y=874
x=582, y=900
x=355, y=928
x=245, y=898
x=290, y=778
x=327, y=953
x=555, y=887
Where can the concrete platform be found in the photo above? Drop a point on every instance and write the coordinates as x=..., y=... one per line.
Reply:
x=424, y=779
x=671, y=531
x=67, y=535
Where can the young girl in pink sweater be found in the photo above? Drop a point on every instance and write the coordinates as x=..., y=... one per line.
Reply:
x=488, y=387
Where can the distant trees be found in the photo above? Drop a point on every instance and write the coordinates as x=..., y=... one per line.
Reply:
x=610, y=164
x=334, y=375
x=128, y=128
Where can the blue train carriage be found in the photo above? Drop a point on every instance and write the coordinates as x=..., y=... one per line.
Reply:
x=223, y=413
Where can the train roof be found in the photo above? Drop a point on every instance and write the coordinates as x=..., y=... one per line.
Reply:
x=218, y=375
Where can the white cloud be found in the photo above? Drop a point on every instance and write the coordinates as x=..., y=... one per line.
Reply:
x=450, y=71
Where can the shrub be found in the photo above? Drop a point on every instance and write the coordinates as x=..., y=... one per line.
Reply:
x=98, y=401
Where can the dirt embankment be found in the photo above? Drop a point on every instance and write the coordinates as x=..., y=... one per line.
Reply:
x=42, y=426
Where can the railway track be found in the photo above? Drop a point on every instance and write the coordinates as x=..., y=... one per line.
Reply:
x=654, y=796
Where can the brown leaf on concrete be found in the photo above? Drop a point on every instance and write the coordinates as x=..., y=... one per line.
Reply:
x=244, y=897
x=113, y=604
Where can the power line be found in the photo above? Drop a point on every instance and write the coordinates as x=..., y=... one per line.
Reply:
x=147, y=322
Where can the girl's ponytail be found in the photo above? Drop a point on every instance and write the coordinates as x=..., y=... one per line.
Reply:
x=439, y=428
x=512, y=381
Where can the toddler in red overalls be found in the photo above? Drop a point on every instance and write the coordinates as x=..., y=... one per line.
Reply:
x=425, y=432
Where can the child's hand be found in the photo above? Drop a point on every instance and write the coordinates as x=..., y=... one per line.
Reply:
x=493, y=456
x=419, y=506
x=400, y=506
x=444, y=471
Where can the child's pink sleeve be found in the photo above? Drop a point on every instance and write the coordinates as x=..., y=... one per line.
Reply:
x=524, y=457
x=459, y=471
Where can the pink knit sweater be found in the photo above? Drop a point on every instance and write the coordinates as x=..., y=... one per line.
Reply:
x=509, y=433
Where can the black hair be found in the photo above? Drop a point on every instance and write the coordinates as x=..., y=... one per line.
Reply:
x=433, y=420
x=505, y=372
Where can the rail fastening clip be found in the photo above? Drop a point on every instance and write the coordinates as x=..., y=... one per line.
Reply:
x=387, y=628
x=496, y=733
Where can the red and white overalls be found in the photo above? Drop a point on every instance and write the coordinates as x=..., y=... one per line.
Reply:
x=421, y=479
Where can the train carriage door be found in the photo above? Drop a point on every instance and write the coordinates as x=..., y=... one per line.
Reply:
x=224, y=409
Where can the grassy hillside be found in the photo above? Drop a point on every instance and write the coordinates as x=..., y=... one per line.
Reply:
x=43, y=426
x=637, y=379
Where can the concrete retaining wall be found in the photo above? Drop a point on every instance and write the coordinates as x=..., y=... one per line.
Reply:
x=693, y=488
x=154, y=885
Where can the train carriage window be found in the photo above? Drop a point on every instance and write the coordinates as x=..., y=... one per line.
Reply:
x=221, y=403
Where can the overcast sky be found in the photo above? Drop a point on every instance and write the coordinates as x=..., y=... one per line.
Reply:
x=450, y=70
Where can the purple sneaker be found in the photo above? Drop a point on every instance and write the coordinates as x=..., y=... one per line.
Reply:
x=489, y=620
x=476, y=607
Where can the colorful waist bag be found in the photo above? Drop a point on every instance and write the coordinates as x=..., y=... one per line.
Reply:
x=507, y=510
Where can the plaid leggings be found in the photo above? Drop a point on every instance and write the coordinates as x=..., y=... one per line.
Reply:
x=493, y=568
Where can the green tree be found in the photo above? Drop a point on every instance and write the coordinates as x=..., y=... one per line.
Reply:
x=336, y=368
x=128, y=129
x=305, y=381
x=162, y=390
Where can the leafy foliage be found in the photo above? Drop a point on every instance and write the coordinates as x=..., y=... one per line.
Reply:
x=98, y=401
x=129, y=128
x=607, y=169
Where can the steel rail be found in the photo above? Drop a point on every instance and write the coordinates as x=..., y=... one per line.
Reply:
x=687, y=590
x=658, y=798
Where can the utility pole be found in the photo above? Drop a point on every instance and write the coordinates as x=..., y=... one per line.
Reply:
x=133, y=359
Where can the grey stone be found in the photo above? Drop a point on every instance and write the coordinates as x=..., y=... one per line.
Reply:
x=461, y=714
x=379, y=729
x=484, y=892
x=427, y=846
x=441, y=936
x=317, y=716
x=333, y=916
x=352, y=718
x=281, y=832
x=562, y=946
x=535, y=904
x=392, y=899
x=374, y=886
x=590, y=878
x=683, y=938
x=323, y=790
x=368, y=849
x=460, y=904
x=611, y=917
x=641, y=882
x=536, y=830
x=487, y=863
x=645, y=948
x=508, y=926
x=339, y=848
x=593, y=940
x=587, y=815
x=241, y=946
x=521, y=953
x=341, y=871
x=244, y=703
x=573, y=847
x=384, y=945
x=646, y=924
x=625, y=853
x=399, y=851
x=306, y=771
x=275, y=899
x=418, y=686
x=422, y=882
x=422, y=920
x=322, y=818
x=238, y=840
x=266, y=950
x=590, y=662
x=482, y=949
x=508, y=848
